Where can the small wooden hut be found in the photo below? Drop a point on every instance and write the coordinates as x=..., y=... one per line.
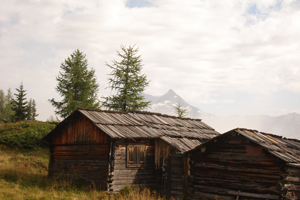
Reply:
x=114, y=149
x=244, y=164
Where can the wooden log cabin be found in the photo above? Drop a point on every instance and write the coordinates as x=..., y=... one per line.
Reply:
x=244, y=164
x=113, y=149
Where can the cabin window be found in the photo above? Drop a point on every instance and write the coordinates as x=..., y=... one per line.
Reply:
x=136, y=155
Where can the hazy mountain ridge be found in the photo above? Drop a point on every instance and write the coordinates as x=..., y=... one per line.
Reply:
x=285, y=125
x=165, y=104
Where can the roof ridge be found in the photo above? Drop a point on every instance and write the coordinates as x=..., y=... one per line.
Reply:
x=270, y=134
x=139, y=112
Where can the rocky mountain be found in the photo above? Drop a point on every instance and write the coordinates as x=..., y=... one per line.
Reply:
x=165, y=104
x=285, y=125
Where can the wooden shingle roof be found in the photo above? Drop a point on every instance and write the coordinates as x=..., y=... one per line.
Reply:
x=182, y=133
x=283, y=148
x=286, y=149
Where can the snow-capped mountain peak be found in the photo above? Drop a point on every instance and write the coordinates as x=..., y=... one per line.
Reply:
x=286, y=125
x=165, y=104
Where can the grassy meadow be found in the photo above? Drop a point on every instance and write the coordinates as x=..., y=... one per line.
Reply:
x=24, y=169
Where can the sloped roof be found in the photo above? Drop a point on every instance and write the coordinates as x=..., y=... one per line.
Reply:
x=285, y=149
x=182, y=133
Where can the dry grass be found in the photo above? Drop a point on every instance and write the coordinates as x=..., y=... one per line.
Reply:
x=130, y=193
x=23, y=175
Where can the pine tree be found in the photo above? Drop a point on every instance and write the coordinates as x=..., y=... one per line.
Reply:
x=8, y=109
x=33, y=111
x=128, y=82
x=180, y=111
x=76, y=84
x=29, y=110
x=19, y=105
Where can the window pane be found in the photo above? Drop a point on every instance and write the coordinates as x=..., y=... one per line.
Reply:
x=136, y=155
x=130, y=154
x=142, y=152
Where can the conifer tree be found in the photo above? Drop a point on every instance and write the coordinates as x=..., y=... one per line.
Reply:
x=29, y=110
x=76, y=84
x=128, y=82
x=33, y=111
x=19, y=104
x=8, y=112
x=180, y=111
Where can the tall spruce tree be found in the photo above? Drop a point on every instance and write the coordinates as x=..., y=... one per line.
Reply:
x=128, y=82
x=76, y=84
x=19, y=104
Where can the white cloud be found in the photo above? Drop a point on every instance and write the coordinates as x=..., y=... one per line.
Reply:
x=195, y=47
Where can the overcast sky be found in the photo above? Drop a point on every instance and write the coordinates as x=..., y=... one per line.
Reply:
x=225, y=57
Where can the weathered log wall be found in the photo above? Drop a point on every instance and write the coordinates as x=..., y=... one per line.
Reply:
x=80, y=130
x=162, y=153
x=169, y=165
x=80, y=150
x=176, y=176
x=291, y=183
x=89, y=162
x=121, y=175
x=223, y=169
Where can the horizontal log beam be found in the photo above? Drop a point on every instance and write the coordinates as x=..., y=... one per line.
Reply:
x=235, y=168
x=247, y=194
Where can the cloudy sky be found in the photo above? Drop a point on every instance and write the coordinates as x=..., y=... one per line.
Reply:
x=225, y=57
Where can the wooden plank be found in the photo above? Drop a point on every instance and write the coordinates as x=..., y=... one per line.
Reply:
x=247, y=194
x=201, y=195
x=73, y=147
x=218, y=187
x=292, y=187
x=117, y=188
x=186, y=171
x=123, y=167
x=120, y=161
x=169, y=179
x=80, y=130
x=177, y=170
x=133, y=181
x=235, y=176
x=177, y=178
x=235, y=168
x=295, y=179
x=131, y=172
x=177, y=186
x=136, y=178
x=92, y=158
